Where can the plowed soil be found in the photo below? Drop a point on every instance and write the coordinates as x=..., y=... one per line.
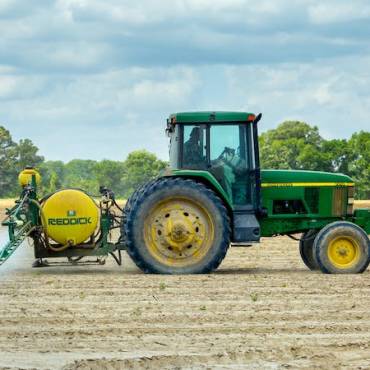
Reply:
x=261, y=309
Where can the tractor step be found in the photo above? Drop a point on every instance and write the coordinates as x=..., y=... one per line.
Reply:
x=246, y=228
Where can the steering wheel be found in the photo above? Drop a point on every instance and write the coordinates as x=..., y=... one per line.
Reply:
x=225, y=152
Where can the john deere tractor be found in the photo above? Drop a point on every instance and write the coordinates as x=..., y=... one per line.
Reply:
x=212, y=195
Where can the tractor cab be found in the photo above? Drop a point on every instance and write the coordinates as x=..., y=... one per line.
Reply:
x=224, y=144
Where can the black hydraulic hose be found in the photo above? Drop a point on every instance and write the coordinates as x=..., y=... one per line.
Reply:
x=115, y=203
x=301, y=239
x=42, y=215
x=117, y=259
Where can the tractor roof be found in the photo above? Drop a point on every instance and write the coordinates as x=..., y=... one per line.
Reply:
x=213, y=117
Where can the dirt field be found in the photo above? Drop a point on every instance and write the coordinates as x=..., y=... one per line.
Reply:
x=261, y=309
x=5, y=203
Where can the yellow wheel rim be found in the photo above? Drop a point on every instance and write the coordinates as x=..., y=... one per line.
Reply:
x=178, y=232
x=344, y=252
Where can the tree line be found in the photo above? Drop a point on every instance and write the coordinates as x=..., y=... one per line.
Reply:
x=292, y=145
x=297, y=145
x=120, y=176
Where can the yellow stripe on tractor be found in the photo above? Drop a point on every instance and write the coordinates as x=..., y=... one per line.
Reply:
x=305, y=184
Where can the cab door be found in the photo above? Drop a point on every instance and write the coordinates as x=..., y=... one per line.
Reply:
x=233, y=163
x=230, y=161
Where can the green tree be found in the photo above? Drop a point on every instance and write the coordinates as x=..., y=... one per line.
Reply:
x=27, y=155
x=293, y=145
x=297, y=145
x=338, y=154
x=8, y=164
x=359, y=167
x=52, y=175
x=109, y=173
x=80, y=173
x=139, y=167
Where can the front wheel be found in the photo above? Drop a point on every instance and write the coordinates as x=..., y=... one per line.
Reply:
x=306, y=250
x=177, y=226
x=342, y=248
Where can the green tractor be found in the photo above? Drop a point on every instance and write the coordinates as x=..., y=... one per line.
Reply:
x=214, y=194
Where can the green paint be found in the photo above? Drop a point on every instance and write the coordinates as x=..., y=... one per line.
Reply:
x=287, y=176
x=211, y=117
x=294, y=200
x=205, y=177
x=362, y=218
x=291, y=225
x=69, y=221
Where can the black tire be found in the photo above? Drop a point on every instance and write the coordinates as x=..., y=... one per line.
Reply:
x=148, y=200
x=130, y=201
x=306, y=250
x=133, y=197
x=342, y=248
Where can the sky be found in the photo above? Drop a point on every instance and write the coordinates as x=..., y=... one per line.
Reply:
x=97, y=79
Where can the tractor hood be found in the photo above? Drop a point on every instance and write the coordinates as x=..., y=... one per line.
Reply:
x=304, y=178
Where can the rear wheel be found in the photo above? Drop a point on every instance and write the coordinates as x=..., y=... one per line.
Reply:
x=306, y=249
x=342, y=248
x=126, y=210
x=177, y=226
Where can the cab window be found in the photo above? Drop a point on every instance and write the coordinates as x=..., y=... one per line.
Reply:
x=229, y=160
x=194, y=148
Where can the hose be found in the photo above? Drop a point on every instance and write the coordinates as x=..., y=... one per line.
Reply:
x=300, y=239
x=115, y=203
x=60, y=248
x=117, y=259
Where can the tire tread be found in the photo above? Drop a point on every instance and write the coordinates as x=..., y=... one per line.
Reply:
x=165, y=182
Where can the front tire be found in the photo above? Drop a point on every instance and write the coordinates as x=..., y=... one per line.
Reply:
x=306, y=250
x=342, y=248
x=177, y=226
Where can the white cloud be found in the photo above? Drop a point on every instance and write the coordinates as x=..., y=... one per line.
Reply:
x=337, y=12
x=94, y=78
x=6, y=69
x=6, y=5
x=328, y=94
x=7, y=86
x=323, y=94
x=15, y=87
x=102, y=115
x=170, y=91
